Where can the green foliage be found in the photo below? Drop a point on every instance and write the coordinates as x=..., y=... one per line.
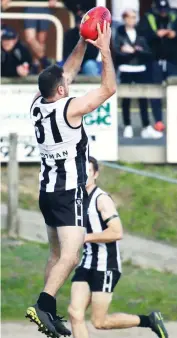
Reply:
x=147, y=206
x=138, y=292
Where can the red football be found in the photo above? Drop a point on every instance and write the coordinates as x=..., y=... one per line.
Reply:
x=88, y=26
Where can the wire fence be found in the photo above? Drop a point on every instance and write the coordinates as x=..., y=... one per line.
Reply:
x=140, y=172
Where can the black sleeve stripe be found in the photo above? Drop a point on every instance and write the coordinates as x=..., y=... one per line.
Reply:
x=65, y=114
x=35, y=101
x=110, y=218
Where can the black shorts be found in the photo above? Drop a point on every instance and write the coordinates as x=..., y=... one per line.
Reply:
x=61, y=208
x=98, y=281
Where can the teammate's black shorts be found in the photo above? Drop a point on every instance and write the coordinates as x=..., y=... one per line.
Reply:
x=98, y=281
x=68, y=207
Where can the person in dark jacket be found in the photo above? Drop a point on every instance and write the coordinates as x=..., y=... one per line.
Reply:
x=89, y=65
x=132, y=55
x=159, y=27
x=78, y=6
x=15, y=57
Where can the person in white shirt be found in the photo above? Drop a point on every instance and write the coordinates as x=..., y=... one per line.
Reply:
x=118, y=8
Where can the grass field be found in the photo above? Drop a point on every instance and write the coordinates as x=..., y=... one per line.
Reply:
x=138, y=291
x=147, y=206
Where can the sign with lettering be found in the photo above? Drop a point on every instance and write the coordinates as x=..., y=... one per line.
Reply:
x=171, y=124
x=101, y=125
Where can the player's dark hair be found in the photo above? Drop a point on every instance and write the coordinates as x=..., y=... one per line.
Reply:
x=49, y=79
x=94, y=163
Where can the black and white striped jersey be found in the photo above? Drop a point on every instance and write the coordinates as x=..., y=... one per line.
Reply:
x=63, y=149
x=99, y=256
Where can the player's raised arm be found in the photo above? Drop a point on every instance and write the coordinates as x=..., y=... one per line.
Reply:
x=74, y=61
x=92, y=100
x=110, y=216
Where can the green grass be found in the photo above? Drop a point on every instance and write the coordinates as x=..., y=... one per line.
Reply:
x=147, y=206
x=138, y=291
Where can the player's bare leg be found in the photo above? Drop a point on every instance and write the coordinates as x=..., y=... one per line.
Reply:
x=54, y=246
x=34, y=312
x=71, y=240
x=102, y=320
x=80, y=299
x=58, y=269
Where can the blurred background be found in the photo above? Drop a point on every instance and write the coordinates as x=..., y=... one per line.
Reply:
x=144, y=49
x=133, y=135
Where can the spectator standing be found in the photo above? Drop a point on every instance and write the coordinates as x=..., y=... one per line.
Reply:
x=36, y=34
x=118, y=8
x=89, y=65
x=132, y=54
x=159, y=27
x=15, y=57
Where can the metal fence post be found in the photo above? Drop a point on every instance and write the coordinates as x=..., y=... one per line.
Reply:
x=13, y=181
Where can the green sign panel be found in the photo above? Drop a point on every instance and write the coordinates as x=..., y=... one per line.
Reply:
x=100, y=116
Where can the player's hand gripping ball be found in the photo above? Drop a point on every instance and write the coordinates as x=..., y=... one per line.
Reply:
x=88, y=26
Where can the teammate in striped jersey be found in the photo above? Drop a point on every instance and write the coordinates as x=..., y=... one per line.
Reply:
x=63, y=146
x=100, y=269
